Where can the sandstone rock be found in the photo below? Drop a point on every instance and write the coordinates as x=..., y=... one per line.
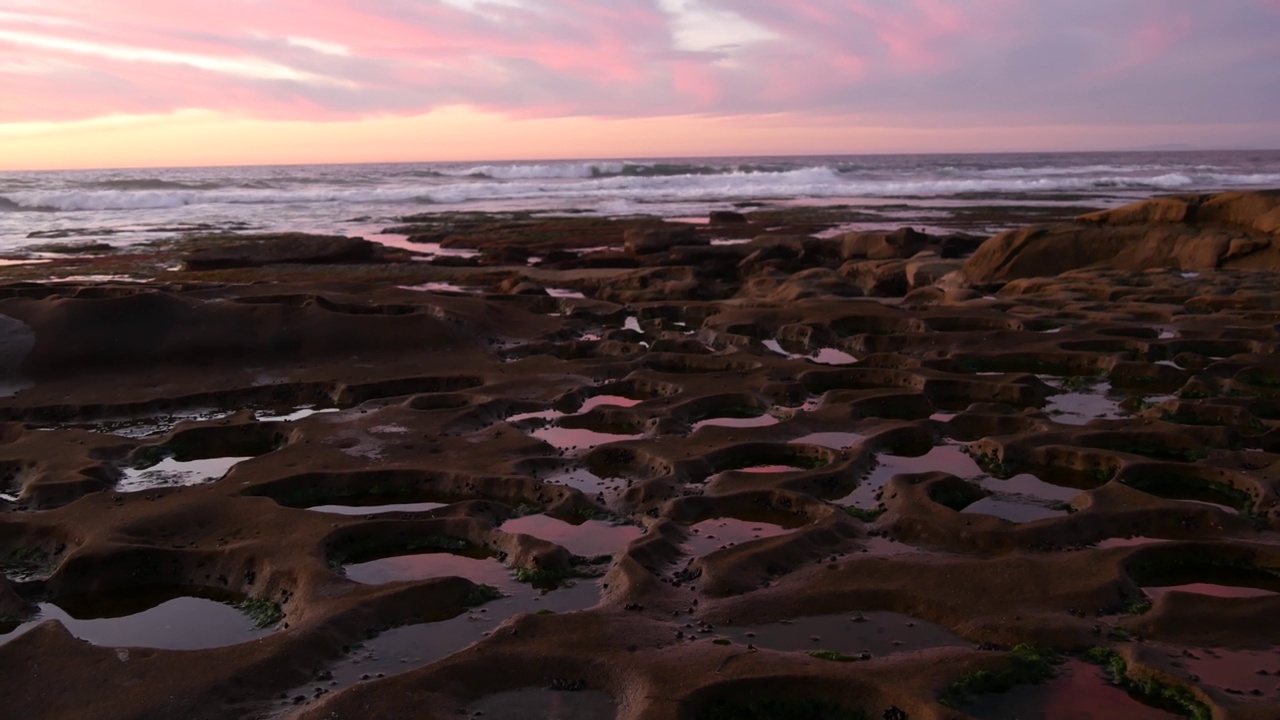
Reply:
x=505, y=255
x=1254, y=210
x=899, y=244
x=11, y=606
x=642, y=241
x=878, y=278
x=240, y=251
x=928, y=271
x=726, y=217
x=1173, y=209
x=519, y=286
x=647, y=284
x=1190, y=232
x=816, y=282
x=954, y=296
x=931, y=295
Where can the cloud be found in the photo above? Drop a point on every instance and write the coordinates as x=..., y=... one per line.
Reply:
x=914, y=63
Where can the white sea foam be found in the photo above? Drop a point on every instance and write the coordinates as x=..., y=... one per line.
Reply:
x=554, y=171
x=816, y=182
x=363, y=199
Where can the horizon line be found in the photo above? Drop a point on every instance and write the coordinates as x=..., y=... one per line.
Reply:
x=1173, y=149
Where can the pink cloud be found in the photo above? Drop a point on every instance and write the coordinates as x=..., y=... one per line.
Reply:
x=966, y=60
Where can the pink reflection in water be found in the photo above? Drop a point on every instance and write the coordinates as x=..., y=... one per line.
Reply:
x=1222, y=591
x=1235, y=669
x=608, y=401
x=1080, y=692
x=589, y=539
x=711, y=535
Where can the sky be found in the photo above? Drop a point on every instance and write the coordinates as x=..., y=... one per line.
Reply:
x=136, y=83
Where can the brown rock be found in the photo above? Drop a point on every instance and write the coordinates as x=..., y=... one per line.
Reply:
x=929, y=270
x=1173, y=209
x=642, y=241
x=899, y=244
x=1236, y=230
x=280, y=248
x=519, y=286
x=878, y=278
x=1255, y=210
x=727, y=217
x=11, y=606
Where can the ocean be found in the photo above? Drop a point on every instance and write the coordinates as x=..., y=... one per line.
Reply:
x=121, y=207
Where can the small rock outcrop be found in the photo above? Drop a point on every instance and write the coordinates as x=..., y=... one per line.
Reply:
x=1187, y=232
x=643, y=241
x=241, y=251
x=897, y=245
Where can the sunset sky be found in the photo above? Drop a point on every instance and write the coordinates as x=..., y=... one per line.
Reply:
x=125, y=83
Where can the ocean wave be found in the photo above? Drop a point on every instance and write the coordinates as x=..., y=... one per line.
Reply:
x=550, y=171
x=816, y=182
x=1081, y=170
x=146, y=184
x=595, y=170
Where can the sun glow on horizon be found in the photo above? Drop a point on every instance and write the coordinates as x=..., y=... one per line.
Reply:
x=191, y=138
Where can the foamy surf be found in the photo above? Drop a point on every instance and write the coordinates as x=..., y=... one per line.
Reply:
x=333, y=198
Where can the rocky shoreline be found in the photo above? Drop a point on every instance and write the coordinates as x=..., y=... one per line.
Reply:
x=753, y=467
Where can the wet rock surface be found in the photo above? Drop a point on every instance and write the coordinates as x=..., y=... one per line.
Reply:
x=411, y=502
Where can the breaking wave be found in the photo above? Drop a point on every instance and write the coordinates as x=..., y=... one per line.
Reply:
x=605, y=181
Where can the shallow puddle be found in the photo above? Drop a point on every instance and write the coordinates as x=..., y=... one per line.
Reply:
x=586, y=481
x=159, y=618
x=1210, y=589
x=1022, y=498
x=887, y=546
x=943, y=458
x=175, y=473
x=768, y=469
x=563, y=438
x=1028, y=485
x=1013, y=509
x=543, y=704
x=832, y=356
x=143, y=426
x=543, y=425
x=1080, y=408
x=709, y=536
x=1079, y=692
x=376, y=509
x=563, y=292
x=1240, y=671
x=435, y=287
x=596, y=401
x=775, y=347
x=298, y=413
x=1128, y=542
x=736, y=422
x=409, y=647
x=475, y=565
x=588, y=539
x=1193, y=490
x=1222, y=581
x=830, y=440
x=756, y=470
x=821, y=356
x=876, y=633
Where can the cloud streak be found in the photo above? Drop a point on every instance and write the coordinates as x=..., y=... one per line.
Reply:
x=909, y=63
